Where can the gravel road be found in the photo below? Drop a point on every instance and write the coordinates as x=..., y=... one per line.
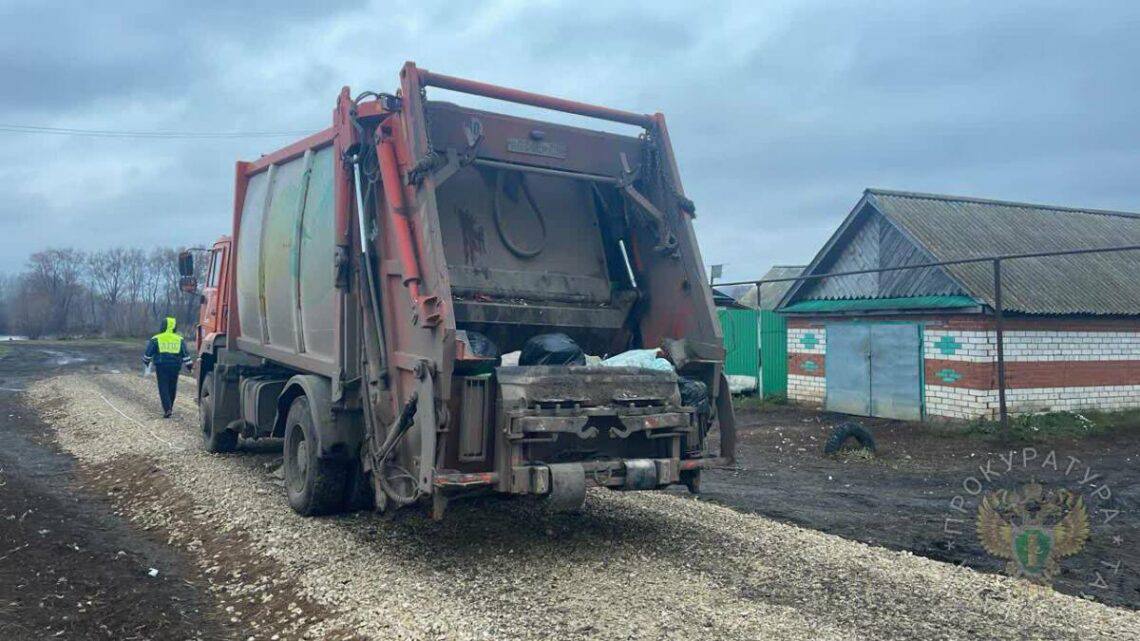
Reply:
x=629, y=566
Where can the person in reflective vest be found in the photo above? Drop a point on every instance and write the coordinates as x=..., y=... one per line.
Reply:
x=167, y=352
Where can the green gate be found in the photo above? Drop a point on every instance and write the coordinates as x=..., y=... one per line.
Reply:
x=773, y=354
x=741, y=341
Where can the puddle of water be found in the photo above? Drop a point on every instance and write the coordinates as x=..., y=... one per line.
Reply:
x=63, y=358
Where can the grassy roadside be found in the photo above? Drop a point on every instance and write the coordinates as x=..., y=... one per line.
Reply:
x=759, y=403
x=1047, y=425
x=1041, y=426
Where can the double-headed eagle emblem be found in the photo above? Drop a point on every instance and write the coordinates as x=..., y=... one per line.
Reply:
x=1033, y=528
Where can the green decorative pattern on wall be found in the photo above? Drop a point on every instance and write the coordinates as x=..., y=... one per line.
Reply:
x=947, y=345
x=948, y=375
x=809, y=340
x=810, y=366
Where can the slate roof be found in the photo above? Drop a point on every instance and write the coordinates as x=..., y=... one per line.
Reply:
x=723, y=298
x=953, y=227
x=771, y=293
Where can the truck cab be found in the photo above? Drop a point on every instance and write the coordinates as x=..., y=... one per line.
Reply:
x=213, y=293
x=214, y=307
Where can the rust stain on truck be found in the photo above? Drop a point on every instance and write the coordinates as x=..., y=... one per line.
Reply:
x=417, y=233
x=474, y=240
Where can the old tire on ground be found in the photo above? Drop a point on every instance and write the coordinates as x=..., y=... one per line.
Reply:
x=314, y=485
x=845, y=432
x=215, y=441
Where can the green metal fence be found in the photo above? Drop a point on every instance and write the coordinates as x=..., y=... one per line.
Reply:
x=773, y=354
x=741, y=341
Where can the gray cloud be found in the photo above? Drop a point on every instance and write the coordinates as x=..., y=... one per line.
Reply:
x=780, y=114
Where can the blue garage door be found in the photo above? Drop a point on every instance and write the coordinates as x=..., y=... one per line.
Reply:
x=848, y=367
x=873, y=369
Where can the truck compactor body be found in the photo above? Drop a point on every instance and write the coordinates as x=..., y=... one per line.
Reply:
x=377, y=269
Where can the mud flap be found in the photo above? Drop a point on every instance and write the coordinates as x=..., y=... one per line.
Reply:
x=726, y=422
x=567, y=487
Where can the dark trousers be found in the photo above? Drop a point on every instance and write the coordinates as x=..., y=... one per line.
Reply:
x=167, y=385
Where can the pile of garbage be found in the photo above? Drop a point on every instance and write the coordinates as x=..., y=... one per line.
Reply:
x=560, y=349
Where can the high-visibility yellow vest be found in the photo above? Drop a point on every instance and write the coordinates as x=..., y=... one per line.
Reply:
x=168, y=341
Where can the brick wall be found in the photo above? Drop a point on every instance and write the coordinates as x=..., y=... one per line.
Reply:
x=807, y=347
x=1051, y=364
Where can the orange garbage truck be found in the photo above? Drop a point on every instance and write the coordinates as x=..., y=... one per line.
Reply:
x=378, y=271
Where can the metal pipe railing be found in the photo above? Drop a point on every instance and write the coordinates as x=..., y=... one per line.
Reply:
x=430, y=79
x=942, y=263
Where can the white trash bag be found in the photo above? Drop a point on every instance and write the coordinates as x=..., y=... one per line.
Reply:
x=643, y=358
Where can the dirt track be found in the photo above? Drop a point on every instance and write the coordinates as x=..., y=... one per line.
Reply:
x=629, y=566
x=69, y=567
x=901, y=498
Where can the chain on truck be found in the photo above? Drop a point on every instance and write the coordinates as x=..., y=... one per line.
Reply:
x=377, y=270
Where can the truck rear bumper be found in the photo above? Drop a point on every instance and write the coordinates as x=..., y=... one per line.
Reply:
x=536, y=479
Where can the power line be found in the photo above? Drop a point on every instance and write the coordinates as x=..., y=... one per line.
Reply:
x=164, y=135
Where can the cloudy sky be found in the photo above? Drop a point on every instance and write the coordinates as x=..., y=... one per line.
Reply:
x=781, y=113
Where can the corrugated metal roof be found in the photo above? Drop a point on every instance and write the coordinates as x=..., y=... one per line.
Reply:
x=771, y=293
x=951, y=227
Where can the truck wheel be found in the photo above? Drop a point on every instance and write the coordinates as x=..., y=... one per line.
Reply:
x=215, y=441
x=314, y=485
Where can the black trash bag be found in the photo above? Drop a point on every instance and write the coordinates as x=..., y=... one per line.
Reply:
x=694, y=394
x=551, y=349
x=482, y=346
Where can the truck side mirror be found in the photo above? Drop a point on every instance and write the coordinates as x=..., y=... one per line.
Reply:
x=188, y=284
x=185, y=263
x=187, y=281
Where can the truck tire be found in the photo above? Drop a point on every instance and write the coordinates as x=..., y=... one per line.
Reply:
x=845, y=432
x=215, y=441
x=314, y=485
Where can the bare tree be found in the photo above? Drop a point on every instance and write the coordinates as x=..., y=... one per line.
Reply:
x=32, y=309
x=119, y=291
x=8, y=287
x=56, y=275
x=107, y=273
x=136, y=288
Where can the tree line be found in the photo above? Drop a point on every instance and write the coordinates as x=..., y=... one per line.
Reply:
x=118, y=292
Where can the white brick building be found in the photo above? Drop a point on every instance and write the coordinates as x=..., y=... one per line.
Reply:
x=922, y=343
